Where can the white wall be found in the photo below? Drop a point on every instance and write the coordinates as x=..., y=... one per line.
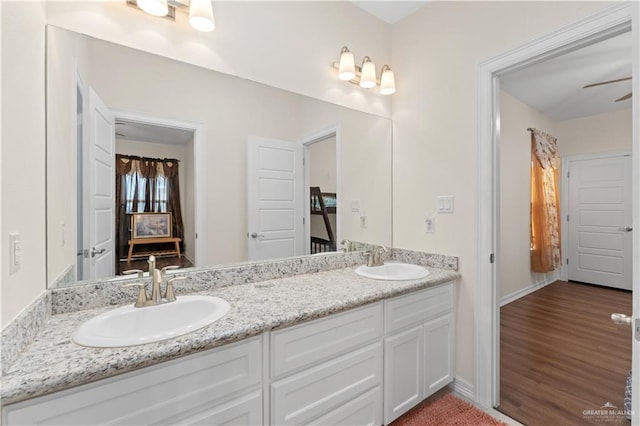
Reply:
x=435, y=56
x=290, y=45
x=23, y=148
x=596, y=133
x=514, y=260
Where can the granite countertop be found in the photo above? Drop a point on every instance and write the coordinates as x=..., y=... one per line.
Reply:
x=52, y=362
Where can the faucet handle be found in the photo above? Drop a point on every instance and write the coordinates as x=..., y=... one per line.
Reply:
x=169, y=268
x=142, y=293
x=140, y=272
x=169, y=294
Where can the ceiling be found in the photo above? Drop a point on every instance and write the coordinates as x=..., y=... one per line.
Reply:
x=151, y=133
x=556, y=87
x=391, y=11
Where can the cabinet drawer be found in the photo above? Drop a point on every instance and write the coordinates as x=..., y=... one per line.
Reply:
x=314, y=342
x=418, y=307
x=244, y=411
x=364, y=410
x=152, y=394
x=307, y=396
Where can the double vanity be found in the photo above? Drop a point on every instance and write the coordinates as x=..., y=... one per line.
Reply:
x=318, y=343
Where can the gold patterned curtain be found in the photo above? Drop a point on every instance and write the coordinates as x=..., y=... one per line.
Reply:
x=545, y=206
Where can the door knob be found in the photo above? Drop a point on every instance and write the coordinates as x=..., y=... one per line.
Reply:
x=95, y=252
x=256, y=235
x=621, y=319
x=626, y=228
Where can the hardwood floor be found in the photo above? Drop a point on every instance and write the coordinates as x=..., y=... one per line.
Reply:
x=560, y=354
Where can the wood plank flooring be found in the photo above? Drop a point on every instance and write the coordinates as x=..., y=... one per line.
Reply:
x=561, y=354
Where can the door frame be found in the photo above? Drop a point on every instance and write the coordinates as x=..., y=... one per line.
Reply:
x=605, y=23
x=318, y=136
x=564, y=200
x=199, y=173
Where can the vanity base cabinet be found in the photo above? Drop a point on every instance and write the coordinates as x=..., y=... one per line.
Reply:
x=329, y=371
x=222, y=384
x=418, y=348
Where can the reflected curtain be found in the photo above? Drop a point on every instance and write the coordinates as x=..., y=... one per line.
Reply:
x=545, y=206
x=146, y=185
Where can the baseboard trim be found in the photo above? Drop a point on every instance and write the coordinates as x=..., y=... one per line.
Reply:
x=527, y=290
x=464, y=388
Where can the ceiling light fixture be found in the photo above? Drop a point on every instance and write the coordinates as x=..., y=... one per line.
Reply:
x=365, y=75
x=200, y=11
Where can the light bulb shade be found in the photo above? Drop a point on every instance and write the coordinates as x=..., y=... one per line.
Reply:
x=201, y=15
x=387, y=81
x=154, y=7
x=368, y=74
x=347, y=67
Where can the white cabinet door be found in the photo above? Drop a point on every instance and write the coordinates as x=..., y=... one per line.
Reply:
x=439, y=354
x=403, y=372
x=245, y=411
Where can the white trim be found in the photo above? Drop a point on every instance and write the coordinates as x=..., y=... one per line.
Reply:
x=564, y=200
x=463, y=388
x=635, y=208
x=603, y=24
x=333, y=130
x=199, y=172
x=528, y=290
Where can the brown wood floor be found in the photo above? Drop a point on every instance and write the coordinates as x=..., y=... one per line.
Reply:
x=560, y=354
x=161, y=262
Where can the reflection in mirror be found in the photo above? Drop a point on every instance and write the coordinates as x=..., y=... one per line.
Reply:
x=246, y=171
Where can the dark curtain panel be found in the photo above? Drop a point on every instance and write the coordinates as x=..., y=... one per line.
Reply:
x=145, y=185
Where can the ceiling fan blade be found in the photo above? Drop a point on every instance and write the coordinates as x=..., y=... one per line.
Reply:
x=606, y=82
x=624, y=98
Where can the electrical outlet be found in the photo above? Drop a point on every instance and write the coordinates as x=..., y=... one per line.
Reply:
x=62, y=234
x=363, y=221
x=429, y=225
x=15, y=255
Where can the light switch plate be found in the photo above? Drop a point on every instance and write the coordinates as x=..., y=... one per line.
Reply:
x=445, y=204
x=15, y=255
x=355, y=206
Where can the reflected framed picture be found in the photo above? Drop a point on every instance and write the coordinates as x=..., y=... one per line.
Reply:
x=150, y=225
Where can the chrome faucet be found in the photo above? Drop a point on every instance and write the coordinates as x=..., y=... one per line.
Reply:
x=157, y=276
x=375, y=256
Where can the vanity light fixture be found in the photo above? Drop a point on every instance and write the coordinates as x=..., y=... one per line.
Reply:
x=368, y=74
x=365, y=75
x=387, y=81
x=347, y=67
x=200, y=11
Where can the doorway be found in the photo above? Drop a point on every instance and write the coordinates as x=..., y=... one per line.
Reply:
x=152, y=137
x=606, y=24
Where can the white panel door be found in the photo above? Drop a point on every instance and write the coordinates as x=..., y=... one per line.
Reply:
x=274, y=193
x=101, y=188
x=599, y=249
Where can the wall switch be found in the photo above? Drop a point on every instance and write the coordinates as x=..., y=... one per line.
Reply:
x=445, y=204
x=15, y=255
x=62, y=234
x=429, y=225
x=355, y=206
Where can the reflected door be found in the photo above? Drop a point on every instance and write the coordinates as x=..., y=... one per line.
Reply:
x=274, y=199
x=101, y=185
x=600, y=221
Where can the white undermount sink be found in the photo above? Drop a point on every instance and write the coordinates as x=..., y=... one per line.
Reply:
x=393, y=271
x=129, y=326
